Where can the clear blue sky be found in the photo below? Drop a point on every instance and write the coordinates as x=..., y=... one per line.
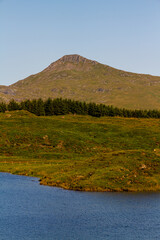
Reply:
x=121, y=33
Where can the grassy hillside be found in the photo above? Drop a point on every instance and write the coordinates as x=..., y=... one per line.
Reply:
x=78, y=78
x=82, y=152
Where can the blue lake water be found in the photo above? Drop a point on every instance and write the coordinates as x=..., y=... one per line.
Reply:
x=31, y=211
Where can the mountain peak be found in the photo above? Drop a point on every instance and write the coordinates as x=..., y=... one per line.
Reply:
x=74, y=58
x=78, y=78
x=70, y=59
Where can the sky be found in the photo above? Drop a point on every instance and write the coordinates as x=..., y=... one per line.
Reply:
x=124, y=34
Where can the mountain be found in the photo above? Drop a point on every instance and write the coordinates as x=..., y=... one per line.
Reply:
x=76, y=77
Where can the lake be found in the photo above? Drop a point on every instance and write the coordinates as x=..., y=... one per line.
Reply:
x=31, y=211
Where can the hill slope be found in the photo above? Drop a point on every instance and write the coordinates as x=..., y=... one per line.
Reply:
x=82, y=152
x=75, y=77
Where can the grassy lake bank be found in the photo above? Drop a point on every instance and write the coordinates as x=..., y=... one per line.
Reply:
x=82, y=152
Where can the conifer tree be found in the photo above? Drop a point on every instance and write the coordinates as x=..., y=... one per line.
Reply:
x=48, y=107
x=40, y=111
x=3, y=107
x=13, y=105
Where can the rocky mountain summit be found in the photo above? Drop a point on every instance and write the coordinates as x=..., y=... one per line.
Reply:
x=79, y=78
x=69, y=60
x=75, y=58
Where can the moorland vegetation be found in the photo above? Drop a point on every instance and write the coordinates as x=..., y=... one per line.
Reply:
x=82, y=152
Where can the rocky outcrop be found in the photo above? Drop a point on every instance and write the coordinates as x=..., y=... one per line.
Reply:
x=73, y=59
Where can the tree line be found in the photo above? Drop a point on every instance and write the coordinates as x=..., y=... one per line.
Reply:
x=61, y=106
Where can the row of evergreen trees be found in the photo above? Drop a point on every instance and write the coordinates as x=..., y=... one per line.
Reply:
x=61, y=106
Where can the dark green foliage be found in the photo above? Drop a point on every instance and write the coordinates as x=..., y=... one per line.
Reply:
x=48, y=107
x=3, y=107
x=26, y=105
x=13, y=105
x=40, y=107
x=61, y=106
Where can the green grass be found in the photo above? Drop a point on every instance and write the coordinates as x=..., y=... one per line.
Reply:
x=82, y=152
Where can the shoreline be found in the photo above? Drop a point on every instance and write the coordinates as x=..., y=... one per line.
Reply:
x=76, y=189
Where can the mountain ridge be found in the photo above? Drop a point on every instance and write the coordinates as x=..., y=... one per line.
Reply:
x=79, y=78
